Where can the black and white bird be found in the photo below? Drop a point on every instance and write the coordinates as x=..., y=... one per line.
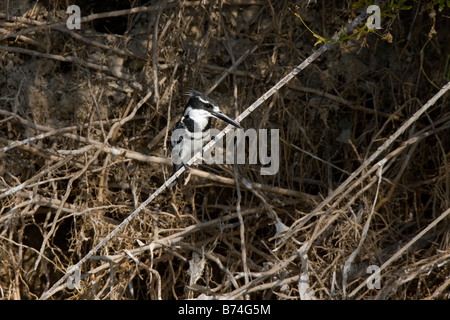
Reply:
x=191, y=132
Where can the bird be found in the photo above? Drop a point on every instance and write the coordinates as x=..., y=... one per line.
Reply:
x=191, y=132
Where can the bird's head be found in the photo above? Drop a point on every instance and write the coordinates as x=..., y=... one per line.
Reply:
x=200, y=105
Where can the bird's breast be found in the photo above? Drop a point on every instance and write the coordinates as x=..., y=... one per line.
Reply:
x=198, y=120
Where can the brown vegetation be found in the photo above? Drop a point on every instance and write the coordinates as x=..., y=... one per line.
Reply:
x=85, y=120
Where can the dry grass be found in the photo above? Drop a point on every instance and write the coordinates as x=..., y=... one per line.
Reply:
x=85, y=121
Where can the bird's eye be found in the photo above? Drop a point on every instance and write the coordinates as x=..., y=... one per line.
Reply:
x=210, y=106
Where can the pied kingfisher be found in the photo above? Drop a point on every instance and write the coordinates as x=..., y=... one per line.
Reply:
x=191, y=132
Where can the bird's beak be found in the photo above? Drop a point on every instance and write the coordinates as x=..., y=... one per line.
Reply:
x=224, y=117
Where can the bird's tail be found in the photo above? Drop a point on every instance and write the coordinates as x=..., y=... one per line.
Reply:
x=175, y=168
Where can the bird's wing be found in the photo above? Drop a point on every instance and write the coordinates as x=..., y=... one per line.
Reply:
x=177, y=133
